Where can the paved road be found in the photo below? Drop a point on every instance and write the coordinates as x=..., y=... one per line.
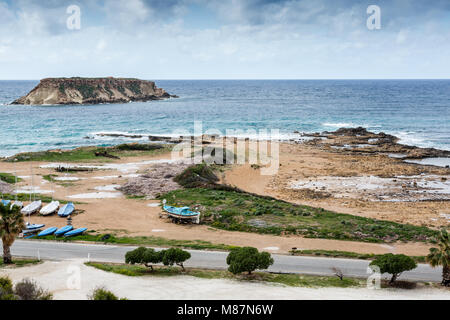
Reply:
x=212, y=259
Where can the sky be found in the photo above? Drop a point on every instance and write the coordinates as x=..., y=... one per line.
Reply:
x=225, y=39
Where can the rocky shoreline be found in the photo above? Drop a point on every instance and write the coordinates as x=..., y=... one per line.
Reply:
x=359, y=140
x=67, y=91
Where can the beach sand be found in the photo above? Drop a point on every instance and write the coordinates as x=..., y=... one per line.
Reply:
x=106, y=210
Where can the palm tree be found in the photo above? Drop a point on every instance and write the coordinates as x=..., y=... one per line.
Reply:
x=11, y=224
x=441, y=256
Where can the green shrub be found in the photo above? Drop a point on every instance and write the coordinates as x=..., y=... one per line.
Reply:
x=248, y=259
x=145, y=256
x=196, y=176
x=394, y=264
x=6, y=289
x=102, y=293
x=175, y=256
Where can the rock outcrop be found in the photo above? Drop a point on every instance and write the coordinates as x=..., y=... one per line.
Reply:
x=57, y=91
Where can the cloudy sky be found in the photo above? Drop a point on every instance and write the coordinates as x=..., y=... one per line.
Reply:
x=225, y=39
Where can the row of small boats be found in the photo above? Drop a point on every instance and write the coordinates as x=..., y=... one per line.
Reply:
x=49, y=209
x=33, y=230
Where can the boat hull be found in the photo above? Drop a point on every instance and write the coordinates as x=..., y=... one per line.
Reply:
x=32, y=207
x=47, y=232
x=75, y=232
x=63, y=230
x=66, y=210
x=49, y=209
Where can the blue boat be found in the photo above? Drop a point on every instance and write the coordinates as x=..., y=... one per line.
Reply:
x=47, y=232
x=63, y=230
x=75, y=232
x=66, y=210
x=181, y=212
x=35, y=226
x=6, y=202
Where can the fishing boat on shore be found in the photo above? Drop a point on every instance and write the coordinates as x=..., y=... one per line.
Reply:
x=181, y=213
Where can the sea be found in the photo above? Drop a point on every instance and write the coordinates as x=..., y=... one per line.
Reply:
x=416, y=111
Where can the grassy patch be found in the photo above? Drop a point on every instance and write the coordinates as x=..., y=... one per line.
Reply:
x=88, y=153
x=196, y=176
x=8, y=178
x=345, y=254
x=19, y=262
x=145, y=241
x=135, y=197
x=240, y=211
x=293, y=280
x=26, y=197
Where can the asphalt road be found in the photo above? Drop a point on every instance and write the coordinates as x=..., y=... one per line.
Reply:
x=213, y=259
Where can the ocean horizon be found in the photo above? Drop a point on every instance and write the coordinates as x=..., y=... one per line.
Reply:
x=416, y=111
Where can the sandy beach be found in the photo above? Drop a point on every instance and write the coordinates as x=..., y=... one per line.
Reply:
x=104, y=209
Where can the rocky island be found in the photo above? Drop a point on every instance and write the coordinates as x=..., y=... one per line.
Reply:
x=58, y=91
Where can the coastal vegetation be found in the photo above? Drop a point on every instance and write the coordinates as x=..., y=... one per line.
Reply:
x=440, y=256
x=345, y=254
x=93, y=154
x=26, y=197
x=394, y=264
x=103, y=294
x=21, y=262
x=248, y=259
x=8, y=178
x=235, y=210
x=200, y=175
x=148, y=257
x=143, y=241
x=11, y=225
x=292, y=280
x=25, y=289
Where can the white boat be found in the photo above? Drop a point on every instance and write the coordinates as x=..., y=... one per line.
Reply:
x=32, y=207
x=50, y=208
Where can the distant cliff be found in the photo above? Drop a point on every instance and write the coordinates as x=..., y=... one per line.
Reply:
x=92, y=91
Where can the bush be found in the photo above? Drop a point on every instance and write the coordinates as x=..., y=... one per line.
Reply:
x=394, y=264
x=248, y=259
x=175, y=256
x=29, y=290
x=6, y=289
x=102, y=293
x=199, y=175
x=135, y=256
x=145, y=256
